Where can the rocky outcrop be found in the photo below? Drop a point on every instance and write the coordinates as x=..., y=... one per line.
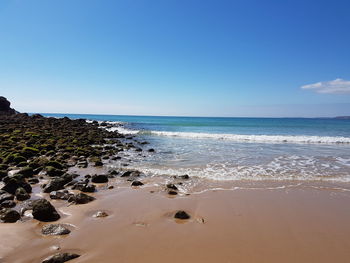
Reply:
x=5, y=108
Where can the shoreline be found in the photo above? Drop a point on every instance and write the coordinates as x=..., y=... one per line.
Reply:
x=246, y=225
x=229, y=221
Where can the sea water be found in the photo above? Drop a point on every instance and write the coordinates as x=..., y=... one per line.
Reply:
x=238, y=148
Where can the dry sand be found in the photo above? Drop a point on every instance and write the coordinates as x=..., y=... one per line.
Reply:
x=299, y=223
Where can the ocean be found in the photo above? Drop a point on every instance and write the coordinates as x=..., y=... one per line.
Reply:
x=221, y=149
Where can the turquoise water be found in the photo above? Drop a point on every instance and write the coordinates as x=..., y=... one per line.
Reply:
x=239, y=148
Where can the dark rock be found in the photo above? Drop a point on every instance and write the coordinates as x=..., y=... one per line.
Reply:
x=60, y=258
x=27, y=172
x=9, y=216
x=21, y=194
x=81, y=198
x=33, y=180
x=136, y=183
x=43, y=210
x=151, y=150
x=55, y=185
x=185, y=176
x=61, y=194
x=52, y=171
x=4, y=196
x=98, y=163
x=172, y=192
x=171, y=186
x=8, y=204
x=55, y=230
x=84, y=187
x=182, y=215
x=131, y=173
x=5, y=108
x=13, y=183
x=101, y=178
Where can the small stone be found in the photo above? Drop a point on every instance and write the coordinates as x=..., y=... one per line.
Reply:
x=182, y=215
x=100, y=214
x=136, y=183
x=172, y=192
x=81, y=198
x=171, y=186
x=185, y=176
x=55, y=230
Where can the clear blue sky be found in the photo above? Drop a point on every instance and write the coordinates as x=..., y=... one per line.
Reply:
x=174, y=57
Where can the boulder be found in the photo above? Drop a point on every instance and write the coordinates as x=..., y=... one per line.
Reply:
x=55, y=230
x=43, y=210
x=60, y=258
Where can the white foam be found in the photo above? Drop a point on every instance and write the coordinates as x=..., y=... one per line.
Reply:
x=255, y=138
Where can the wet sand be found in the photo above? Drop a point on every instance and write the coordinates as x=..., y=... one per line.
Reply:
x=300, y=223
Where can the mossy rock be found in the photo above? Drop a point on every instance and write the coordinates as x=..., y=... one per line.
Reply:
x=19, y=159
x=30, y=152
x=52, y=171
x=55, y=164
x=27, y=172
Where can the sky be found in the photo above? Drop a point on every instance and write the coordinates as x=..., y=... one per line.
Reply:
x=177, y=57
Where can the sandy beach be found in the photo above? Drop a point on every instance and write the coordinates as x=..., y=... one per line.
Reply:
x=302, y=222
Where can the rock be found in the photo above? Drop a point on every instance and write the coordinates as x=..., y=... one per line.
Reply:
x=21, y=194
x=13, y=183
x=55, y=230
x=131, y=173
x=100, y=214
x=52, y=171
x=61, y=194
x=171, y=186
x=151, y=150
x=7, y=204
x=5, y=108
x=9, y=216
x=182, y=215
x=43, y=210
x=98, y=163
x=27, y=172
x=33, y=180
x=60, y=258
x=101, y=178
x=185, y=176
x=81, y=198
x=110, y=187
x=82, y=164
x=84, y=187
x=55, y=185
x=136, y=183
x=172, y=192
x=5, y=196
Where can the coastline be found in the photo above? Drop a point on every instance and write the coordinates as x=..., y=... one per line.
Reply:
x=230, y=221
